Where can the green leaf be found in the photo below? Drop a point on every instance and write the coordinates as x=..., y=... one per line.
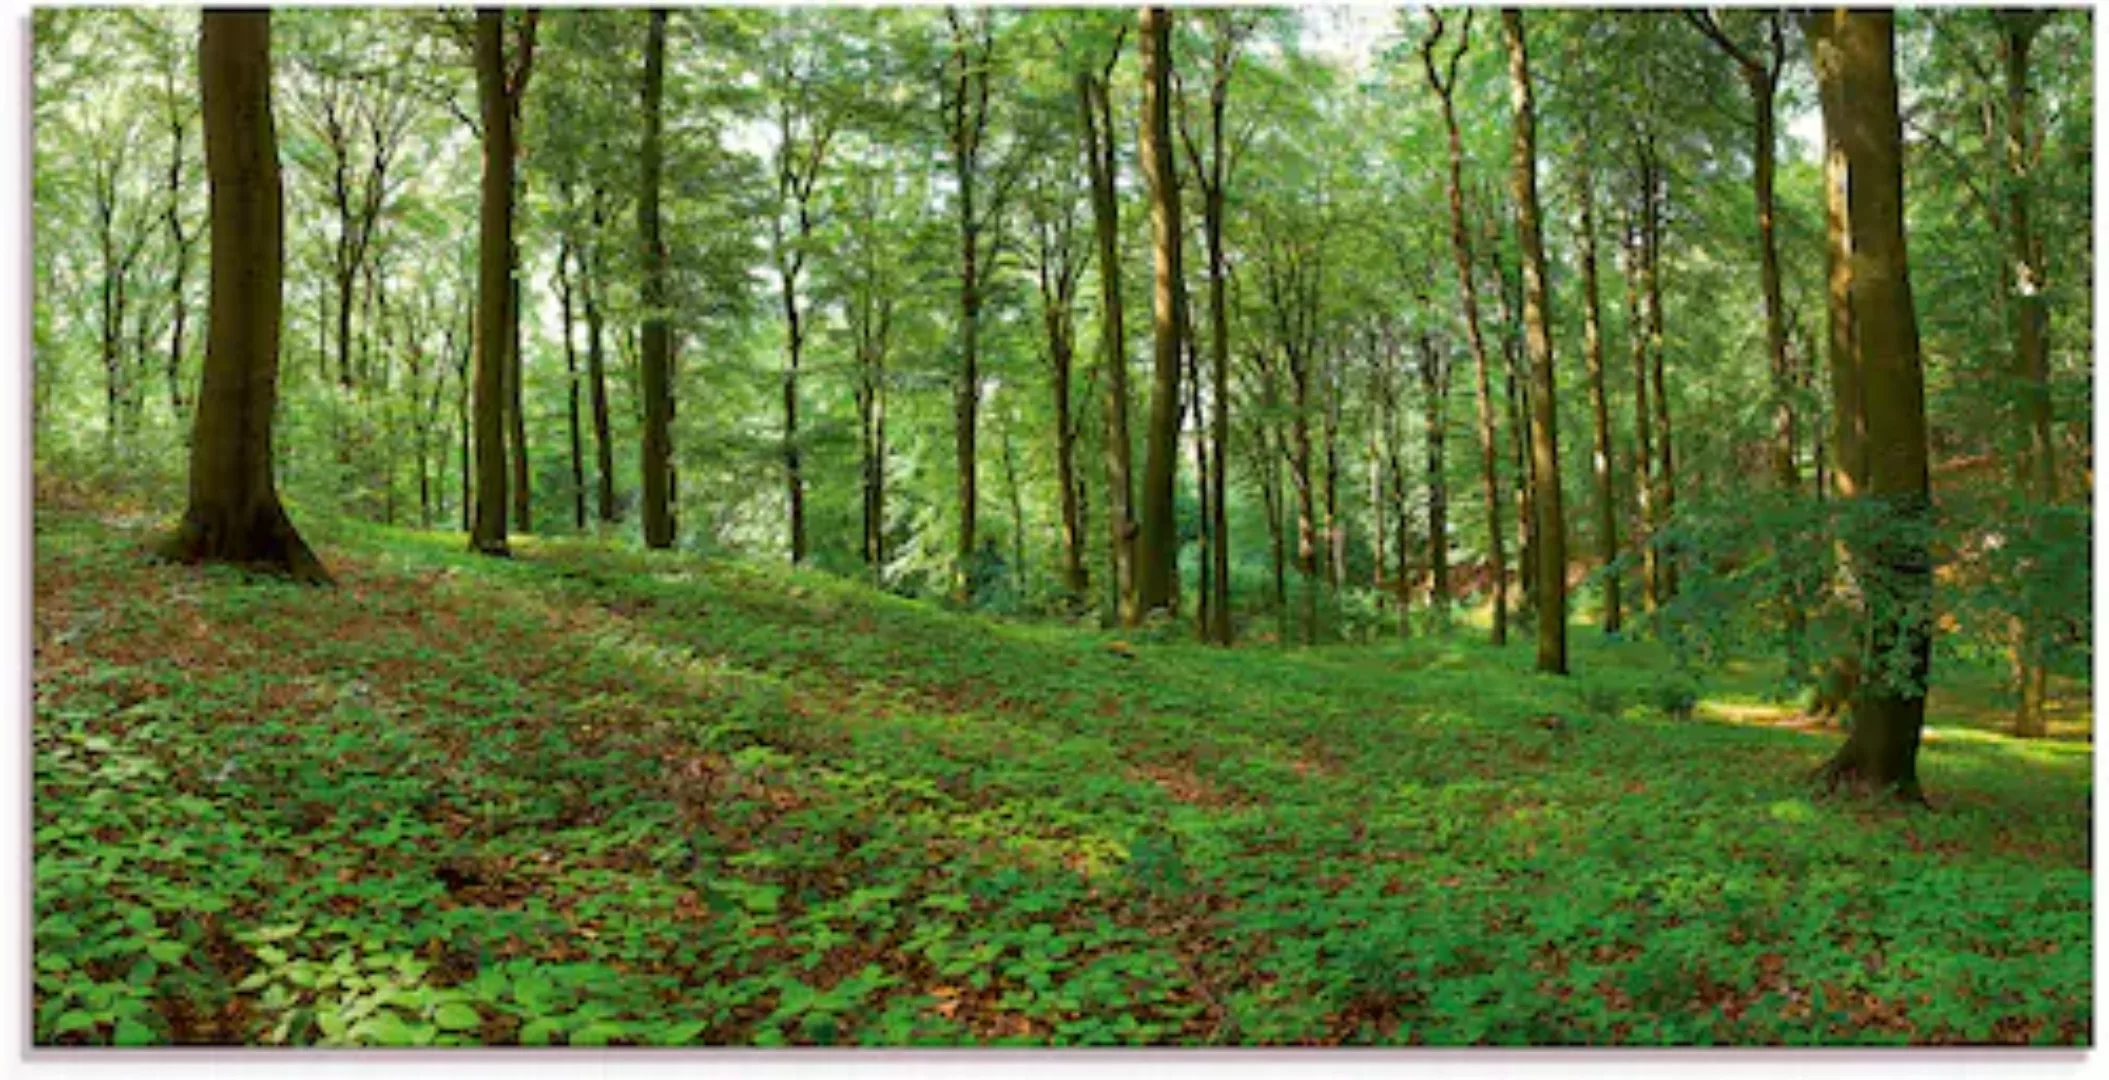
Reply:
x=167, y=951
x=133, y=1033
x=455, y=1016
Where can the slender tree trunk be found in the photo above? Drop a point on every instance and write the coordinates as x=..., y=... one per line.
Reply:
x=794, y=475
x=597, y=371
x=522, y=488
x=1435, y=400
x=1599, y=401
x=1517, y=396
x=565, y=253
x=1643, y=423
x=1204, y=587
x=656, y=372
x=1855, y=63
x=1461, y=247
x=1665, y=462
x=1157, y=550
x=1551, y=539
x=1113, y=361
x=234, y=514
x=1061, y=351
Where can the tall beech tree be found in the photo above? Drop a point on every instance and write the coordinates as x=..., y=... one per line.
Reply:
x=656, y=369
x=1157, y=548
x=1101, y=165
x=500, y=81
x=1551, y=534
x=1443, y=81
x=234, y=513
x=1854, y=55
x=2029, y=307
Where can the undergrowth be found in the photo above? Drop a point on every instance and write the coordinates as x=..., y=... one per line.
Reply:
x=591, y=796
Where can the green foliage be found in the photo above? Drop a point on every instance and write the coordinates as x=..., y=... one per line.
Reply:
x=589, y=797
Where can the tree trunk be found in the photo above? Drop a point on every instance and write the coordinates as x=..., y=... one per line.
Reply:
x=1461, y=247
x=234, y=513
x=1061, y=356
x=1435, y=400
x=656, y=361
x=1599, y=402
x=1517, y=396
x=794, y=476
x=2029, y=302
x=487, y=535
x=1855, y=63
x=1551, y=538
x=1113, y=360
x=565, y=252
x=522, y=488
x=1665, y=502
x=1157, y=551
x=597, y=370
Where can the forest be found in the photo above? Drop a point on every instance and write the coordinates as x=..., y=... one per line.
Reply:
x=940, y=526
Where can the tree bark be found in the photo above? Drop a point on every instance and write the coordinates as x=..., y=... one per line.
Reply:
x=1599, y=402
x=234, y=514
x=968, y=108
x=656, y=366
x=1855, y=63
x=1461, y=246
x=2029, y=303
x=1435, y=401
x=565, y=253
x=597, y=370
x=1105, y=211
x=1643, y=413
x=493, y=337
x=1551, y=539
x=1157, y=549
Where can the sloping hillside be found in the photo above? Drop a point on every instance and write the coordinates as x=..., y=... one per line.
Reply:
x=592, y=796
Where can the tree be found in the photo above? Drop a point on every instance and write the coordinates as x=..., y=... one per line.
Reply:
x=1211, y=175
x=1761, y=73
x=1100, y=165
x=1599, y=401
x=500, y=82
x=965, y=103
x=1443, y=82
x=234, y=513
x=1854, y=54
x=1157, y=549
x=2028, y=298
x=1551, y=533
x=656, y=373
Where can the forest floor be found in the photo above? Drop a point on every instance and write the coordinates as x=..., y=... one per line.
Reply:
x=593, y=796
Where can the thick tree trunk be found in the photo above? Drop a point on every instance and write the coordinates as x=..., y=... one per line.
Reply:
x=656, y=364
x=1461, y=247
x=1158, y=548
x=1599, y=401
x=1113, y=361
x=1550, y=539
x=1855, y=63
x=234, y=513
x=2029, y=303
x=493, y=286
